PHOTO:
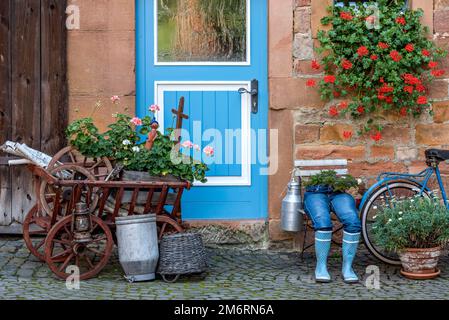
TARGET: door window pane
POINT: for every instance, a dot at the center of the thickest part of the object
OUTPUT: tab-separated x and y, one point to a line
201	31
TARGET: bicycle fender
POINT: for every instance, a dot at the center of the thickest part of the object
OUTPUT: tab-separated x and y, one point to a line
378	184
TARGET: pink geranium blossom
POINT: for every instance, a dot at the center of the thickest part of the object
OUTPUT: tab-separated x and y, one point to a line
115	99
209	151
187	144
154	108
136	121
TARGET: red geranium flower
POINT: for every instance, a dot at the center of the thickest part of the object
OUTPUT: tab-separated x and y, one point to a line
386	88
311	83
336	94
425	52
381	80
409	47
329	79
346	64
315	65
411	79
362	51
395	56
360	109
383	45
343	105
437	73
347	134
346	16
409	89
389	99
377	136
421	88
401	20
374	57
422	100
333	111
380	96
403	111
433	64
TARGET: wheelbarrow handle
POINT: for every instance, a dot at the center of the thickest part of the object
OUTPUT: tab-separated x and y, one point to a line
18	162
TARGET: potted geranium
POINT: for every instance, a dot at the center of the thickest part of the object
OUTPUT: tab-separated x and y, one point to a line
377	59
125	142
417	229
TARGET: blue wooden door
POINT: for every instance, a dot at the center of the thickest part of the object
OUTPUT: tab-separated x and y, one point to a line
206	51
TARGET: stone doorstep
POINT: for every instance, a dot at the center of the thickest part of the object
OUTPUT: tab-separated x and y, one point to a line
244	233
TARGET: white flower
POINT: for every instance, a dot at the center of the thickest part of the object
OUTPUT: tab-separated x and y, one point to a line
375	207
400	212
359	181
389	220
374	217
136	149
400	219
126	142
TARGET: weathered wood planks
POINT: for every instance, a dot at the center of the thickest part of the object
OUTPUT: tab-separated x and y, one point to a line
33	87
54	92
5	108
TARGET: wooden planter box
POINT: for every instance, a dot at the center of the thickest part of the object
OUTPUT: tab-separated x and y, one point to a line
145	176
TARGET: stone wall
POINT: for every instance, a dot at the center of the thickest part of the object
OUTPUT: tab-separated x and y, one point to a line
313	133
101	59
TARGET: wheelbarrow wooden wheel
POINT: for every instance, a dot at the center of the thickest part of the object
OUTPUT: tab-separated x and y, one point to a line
35	229
66	172
98	167
89	258
167	225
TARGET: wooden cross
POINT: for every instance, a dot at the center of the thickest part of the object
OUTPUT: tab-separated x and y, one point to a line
180	116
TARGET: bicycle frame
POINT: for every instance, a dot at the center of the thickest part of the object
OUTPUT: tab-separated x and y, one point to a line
421	179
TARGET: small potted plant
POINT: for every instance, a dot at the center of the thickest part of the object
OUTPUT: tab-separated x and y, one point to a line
416	229
330	179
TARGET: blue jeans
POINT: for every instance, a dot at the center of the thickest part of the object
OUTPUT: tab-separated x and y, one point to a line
319	203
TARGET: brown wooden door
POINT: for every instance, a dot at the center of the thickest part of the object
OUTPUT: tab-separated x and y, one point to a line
33	94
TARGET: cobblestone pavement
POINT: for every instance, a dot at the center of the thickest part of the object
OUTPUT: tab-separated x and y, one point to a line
233	274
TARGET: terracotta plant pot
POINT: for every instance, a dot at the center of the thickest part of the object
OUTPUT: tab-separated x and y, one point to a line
420	263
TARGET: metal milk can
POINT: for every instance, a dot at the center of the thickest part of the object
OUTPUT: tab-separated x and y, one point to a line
291	217
138	248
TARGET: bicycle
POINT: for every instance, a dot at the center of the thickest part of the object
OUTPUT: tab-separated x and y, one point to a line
391	185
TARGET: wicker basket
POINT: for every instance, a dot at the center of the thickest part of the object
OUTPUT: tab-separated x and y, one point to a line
181	254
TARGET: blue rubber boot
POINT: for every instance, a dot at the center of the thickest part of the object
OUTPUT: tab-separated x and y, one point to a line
322	248
350	244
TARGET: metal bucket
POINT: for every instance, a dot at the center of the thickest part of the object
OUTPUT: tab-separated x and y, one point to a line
138	246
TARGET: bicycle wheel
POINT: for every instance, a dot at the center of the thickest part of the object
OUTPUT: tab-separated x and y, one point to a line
379	198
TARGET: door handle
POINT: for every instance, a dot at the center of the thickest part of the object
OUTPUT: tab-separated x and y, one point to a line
254	95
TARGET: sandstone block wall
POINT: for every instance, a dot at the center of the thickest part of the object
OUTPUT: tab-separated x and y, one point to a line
307	130
101	59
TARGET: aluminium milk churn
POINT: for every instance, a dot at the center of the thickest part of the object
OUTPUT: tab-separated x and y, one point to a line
291	216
